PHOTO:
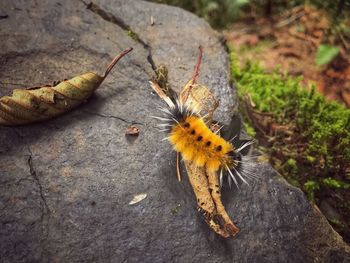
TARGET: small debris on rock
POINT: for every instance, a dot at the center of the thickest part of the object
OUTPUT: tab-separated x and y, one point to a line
138	198
176	209
132	130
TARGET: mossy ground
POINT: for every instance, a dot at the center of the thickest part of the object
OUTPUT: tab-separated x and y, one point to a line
306	137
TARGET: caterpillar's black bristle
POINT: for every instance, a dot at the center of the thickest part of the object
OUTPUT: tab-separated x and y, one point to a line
175	115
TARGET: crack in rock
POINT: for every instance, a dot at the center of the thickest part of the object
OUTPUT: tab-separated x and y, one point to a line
108	16
45	211
36	179
112	117
44	208
3	16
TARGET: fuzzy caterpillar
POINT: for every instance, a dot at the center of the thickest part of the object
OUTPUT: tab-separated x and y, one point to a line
191	137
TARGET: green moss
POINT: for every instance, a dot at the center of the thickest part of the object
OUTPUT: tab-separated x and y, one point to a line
310	159
132	34
291	165
324	126
307	137
250	129
310	187
335	184
337	223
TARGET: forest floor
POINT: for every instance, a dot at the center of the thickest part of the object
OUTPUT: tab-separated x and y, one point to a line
290	41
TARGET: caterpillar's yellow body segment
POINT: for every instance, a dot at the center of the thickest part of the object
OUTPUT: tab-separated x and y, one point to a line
197	143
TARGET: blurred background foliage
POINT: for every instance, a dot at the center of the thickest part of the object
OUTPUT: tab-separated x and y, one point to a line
220	13
290	62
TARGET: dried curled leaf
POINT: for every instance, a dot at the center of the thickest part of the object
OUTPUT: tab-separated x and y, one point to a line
200	99
205	183
206	188
41	103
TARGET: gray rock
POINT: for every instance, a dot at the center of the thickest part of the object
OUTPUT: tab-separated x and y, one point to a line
66	184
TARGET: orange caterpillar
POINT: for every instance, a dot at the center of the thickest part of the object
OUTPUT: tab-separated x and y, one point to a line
191	137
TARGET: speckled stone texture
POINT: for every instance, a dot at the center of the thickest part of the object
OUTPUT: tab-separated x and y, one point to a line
65	184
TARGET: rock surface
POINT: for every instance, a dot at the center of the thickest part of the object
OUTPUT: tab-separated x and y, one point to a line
66	184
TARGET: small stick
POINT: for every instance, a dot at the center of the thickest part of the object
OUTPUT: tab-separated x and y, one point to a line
115	60
161	93
178	167
199	61
195	74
